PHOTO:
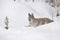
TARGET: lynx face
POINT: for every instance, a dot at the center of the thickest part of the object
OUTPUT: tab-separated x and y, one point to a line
30	17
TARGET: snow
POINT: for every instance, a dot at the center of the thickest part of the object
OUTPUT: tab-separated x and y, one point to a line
18	12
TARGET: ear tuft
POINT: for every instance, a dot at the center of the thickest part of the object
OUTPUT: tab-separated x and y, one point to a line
29	14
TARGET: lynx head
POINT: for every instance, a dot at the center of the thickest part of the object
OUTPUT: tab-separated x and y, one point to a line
30	16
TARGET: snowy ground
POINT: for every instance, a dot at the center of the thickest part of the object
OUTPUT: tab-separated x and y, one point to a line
18	12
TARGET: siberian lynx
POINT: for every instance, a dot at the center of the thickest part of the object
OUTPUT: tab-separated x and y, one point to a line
37	21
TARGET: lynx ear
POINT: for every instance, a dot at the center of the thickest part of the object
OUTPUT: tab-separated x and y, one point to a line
29	14
32	15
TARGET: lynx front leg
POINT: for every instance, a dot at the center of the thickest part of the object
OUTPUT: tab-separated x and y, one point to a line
28	26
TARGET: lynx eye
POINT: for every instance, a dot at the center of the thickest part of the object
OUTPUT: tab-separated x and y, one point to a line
29	19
